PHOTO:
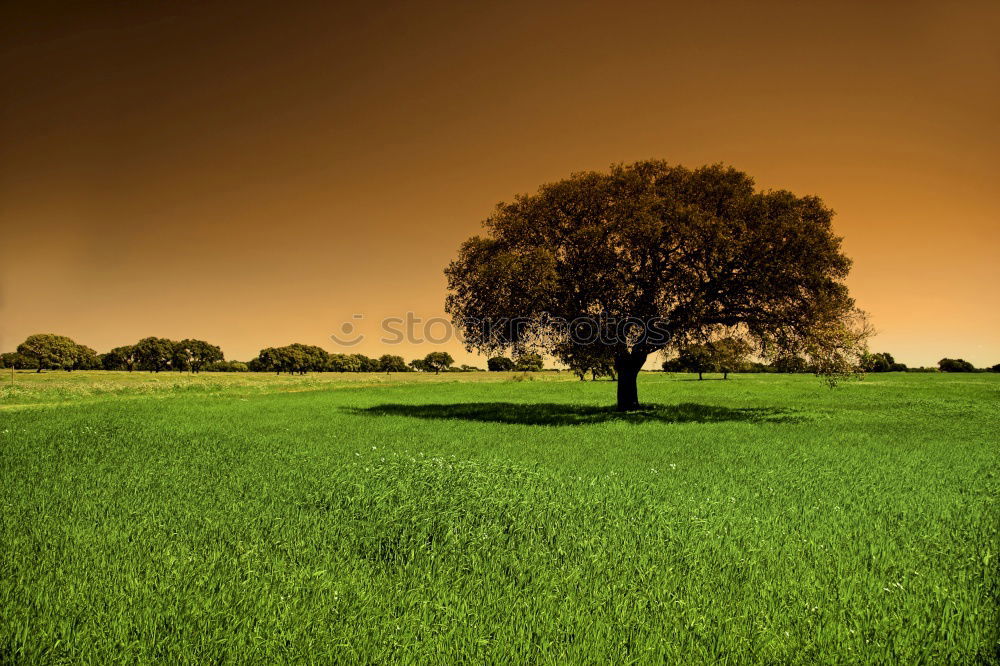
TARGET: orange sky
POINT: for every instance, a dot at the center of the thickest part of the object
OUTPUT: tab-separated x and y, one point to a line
255	175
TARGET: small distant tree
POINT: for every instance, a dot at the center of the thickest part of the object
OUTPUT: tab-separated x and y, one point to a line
155	354
120	358
881	362
298	358
193	355
288	359
48	350
529	362
955	365
500	364
392	363
692	358
790	364
418	365
672	364
12	360
730	355
343	363
437	361
725	355
995	368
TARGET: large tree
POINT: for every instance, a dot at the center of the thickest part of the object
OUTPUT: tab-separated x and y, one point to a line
48	350
651	257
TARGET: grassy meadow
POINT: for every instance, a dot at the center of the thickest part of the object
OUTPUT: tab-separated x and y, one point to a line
482	517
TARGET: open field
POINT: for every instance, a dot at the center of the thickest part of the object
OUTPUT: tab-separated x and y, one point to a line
420	518
48	388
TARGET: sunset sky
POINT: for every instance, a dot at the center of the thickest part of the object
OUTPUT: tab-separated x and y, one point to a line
254	174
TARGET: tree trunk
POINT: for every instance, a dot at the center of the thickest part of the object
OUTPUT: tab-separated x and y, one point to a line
627	368
699	375
725	374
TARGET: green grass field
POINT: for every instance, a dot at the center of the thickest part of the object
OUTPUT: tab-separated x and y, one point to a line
472	518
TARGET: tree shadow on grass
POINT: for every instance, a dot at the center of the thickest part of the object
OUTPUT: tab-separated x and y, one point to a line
558	414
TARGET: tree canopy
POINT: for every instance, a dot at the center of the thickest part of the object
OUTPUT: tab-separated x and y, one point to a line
881	362
724	355
193	355
295	358
86	358
499	364
48	350
529	362
437	361
650	257
121	358
392	363
582	359
955	365
154	354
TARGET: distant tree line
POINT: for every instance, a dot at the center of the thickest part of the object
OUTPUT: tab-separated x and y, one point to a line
723	356
47	351
527	362
732	355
